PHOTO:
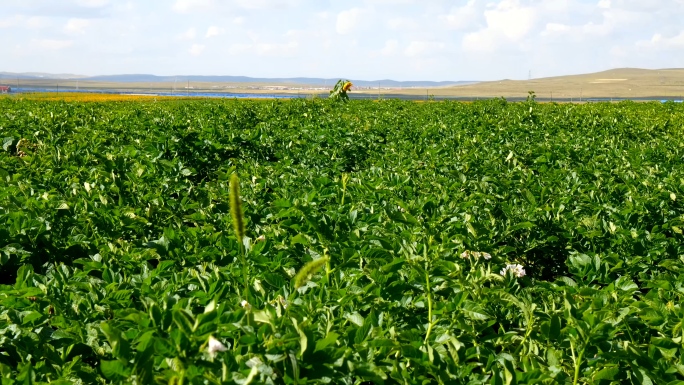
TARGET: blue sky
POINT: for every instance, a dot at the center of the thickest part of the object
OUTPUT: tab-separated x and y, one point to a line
358	39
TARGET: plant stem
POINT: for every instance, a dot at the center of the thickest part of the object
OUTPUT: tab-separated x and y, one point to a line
530	323
577	362
245	275
429	297
327	272
345	177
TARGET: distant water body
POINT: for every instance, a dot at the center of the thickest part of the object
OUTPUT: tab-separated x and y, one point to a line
226	95
180	94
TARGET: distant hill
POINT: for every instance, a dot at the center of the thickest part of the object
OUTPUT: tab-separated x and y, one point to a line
627	83
613	84
146	78
37	75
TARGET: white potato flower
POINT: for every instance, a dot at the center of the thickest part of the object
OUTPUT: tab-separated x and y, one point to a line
476	255
290	271
214	346
254	361
517	270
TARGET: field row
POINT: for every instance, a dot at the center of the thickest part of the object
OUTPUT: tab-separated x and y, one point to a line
119	256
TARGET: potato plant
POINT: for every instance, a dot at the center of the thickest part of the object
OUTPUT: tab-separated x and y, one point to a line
313	242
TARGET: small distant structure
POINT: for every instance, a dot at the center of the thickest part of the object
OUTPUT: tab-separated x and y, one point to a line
5	89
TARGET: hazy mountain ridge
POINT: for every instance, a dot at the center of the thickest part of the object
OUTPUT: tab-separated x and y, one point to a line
38	75
147	78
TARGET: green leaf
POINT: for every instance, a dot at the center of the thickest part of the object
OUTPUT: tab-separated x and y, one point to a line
520	226
156	315
24	277
303	339
299	239
275	280
404	217
26	375
282	203
31	317
362	332
567	281
606	374
184	321
120	346
211	306
555	328
509	373
626	284
645	379
474	311
355	318
263	316
329	339
7	142
114	370
393	266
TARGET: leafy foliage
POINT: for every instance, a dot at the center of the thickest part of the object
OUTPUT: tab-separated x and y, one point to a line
339	92
119	262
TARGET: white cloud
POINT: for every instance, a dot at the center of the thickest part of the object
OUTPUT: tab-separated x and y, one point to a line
348	21
37	22
286	49
52	44
266	4
189	34
660	42
583	32
556	27
92	3
391	47
217	6
265	49
239	48
77	26
214	31
483	41
402	23
463	18
423	48
188	6
603	4
196	49
551	37
511	19
10	22
508	22
392	2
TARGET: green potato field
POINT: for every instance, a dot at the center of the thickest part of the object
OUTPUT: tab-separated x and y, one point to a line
370	242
